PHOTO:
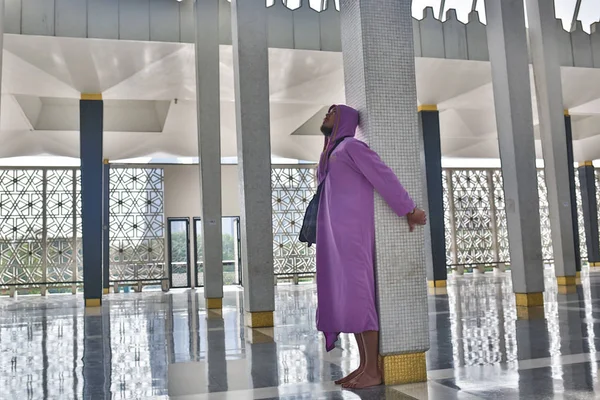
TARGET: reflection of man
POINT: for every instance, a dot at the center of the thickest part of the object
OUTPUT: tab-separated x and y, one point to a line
346	239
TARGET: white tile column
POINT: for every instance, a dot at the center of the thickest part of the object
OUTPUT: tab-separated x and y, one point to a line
251	74
507	42
546	66
379	68
206	14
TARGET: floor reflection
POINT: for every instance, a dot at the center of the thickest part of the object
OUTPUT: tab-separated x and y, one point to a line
156	345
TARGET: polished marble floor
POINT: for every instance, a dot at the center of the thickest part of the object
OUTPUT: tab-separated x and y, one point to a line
153	345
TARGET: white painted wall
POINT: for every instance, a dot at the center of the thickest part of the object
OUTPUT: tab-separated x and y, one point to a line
182	196
182	191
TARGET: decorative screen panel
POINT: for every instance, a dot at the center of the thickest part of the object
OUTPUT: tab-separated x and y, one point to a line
597	174
21	226
137	231
293	188
500	213
547	251
61	241
447	221
580	221
472	215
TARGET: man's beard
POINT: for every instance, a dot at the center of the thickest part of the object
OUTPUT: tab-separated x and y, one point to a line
327	131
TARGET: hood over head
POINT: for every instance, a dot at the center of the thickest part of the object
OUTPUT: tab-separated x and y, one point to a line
346	122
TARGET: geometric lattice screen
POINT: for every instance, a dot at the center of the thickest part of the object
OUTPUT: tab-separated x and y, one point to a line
137	230
292	190
476	228
38	227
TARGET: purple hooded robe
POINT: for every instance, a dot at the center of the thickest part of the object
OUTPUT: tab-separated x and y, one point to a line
346	229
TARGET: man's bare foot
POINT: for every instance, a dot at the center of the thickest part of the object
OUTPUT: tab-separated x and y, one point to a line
348	378
363	381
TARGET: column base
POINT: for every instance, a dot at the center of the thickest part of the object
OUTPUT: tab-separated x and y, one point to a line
106	290
530	313
437	284
93	302
530	305
214	303
260	335
567	289
566	280
530	299
262	319
595	265
403	368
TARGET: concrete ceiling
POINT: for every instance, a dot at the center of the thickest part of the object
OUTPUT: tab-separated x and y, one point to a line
149	92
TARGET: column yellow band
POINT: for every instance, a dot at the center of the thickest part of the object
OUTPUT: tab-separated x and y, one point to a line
403	368
91	96
427	107
586	164
434	284
214	303
263	319
566	280
529	299
93	302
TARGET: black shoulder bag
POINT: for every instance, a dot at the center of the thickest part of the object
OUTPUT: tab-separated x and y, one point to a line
308	233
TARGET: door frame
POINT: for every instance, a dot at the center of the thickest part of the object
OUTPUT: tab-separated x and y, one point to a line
169	244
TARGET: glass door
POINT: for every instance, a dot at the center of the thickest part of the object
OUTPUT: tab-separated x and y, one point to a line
179	256
231	251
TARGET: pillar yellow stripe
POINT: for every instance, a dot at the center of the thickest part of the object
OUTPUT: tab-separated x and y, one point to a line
403	368
586	164
434	284
91	96
93	302
566	280
427	107
214	303
567	113
529	299
262	319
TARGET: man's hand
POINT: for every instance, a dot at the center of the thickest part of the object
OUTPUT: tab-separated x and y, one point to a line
417	217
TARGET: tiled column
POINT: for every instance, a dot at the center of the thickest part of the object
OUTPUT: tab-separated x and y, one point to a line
91	111
587	182
546	67
106	227
572	188
209	146
251	74
429	117
379	69
507	43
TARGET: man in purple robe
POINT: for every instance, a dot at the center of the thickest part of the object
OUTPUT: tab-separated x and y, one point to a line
346	239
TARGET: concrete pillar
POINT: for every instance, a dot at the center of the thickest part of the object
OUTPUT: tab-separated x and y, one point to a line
587	183
91	110
507	41
429	117
379	74
209	146
546	67
106	227
572	189
251	74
